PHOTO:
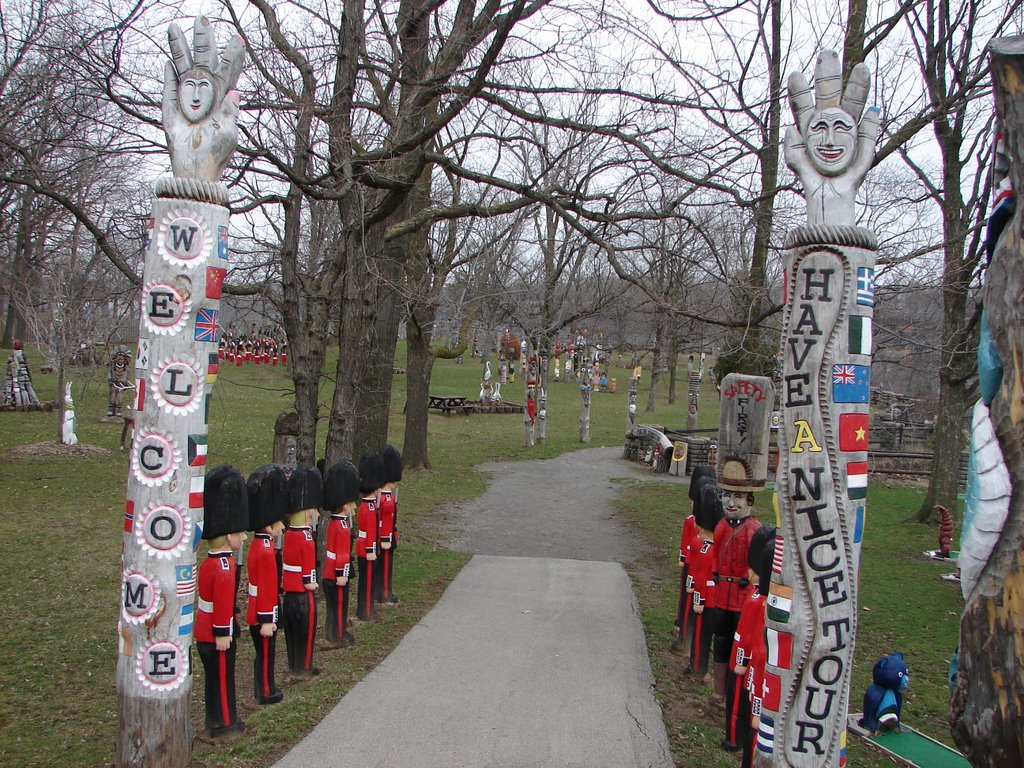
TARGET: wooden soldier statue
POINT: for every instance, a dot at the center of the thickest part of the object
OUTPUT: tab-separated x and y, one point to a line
388	510
298	563
227	518
743	433
684	614
268	515
371	478
341	492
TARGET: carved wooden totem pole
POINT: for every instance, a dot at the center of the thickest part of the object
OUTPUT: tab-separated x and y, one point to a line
744	426
694	373
185	264
822	476
987	707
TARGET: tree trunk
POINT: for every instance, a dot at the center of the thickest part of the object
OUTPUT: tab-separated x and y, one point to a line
657	364
987	707
15	326
673	358
419	366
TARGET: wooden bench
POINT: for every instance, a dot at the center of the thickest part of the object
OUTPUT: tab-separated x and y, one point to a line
448	404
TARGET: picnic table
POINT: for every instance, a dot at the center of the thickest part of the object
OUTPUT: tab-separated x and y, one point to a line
448	404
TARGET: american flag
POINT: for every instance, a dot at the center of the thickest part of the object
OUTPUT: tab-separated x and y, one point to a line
206	325
777	557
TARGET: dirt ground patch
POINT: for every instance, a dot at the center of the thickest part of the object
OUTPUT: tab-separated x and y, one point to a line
53	448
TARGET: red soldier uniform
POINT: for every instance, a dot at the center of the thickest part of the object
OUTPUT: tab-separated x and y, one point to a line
216	589
749	636
749	651
730	559
298	563
387	509
341	491
268	511
702	585
227	517
371	478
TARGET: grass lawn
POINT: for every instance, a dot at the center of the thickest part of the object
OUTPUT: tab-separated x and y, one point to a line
61	586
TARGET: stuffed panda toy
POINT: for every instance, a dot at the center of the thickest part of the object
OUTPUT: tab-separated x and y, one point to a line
883	699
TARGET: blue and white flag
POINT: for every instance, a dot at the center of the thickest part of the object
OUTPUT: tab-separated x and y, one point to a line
866	286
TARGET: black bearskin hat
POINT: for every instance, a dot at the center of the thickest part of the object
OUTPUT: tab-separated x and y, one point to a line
341	485
700	472
371	472
708	509
305	489
392	464
268	496
226	502
761	554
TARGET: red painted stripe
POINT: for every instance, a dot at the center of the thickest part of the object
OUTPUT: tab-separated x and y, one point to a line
368	608
266	666
310	630
222	674
696	641
735	711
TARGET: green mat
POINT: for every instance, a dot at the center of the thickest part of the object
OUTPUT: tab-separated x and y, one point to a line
912	747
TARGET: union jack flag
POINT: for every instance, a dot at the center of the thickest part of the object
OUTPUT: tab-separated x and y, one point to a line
206	325
841	374
851	383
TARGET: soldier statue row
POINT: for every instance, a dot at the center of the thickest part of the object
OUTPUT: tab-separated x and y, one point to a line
280	505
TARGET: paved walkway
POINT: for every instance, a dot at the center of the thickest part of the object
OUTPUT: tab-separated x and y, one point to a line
525	662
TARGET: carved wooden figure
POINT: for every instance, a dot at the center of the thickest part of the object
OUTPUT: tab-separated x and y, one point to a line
822	475
298	566
226	520
987	708
185	261
387	508
267	487
371	479
694	374
118	381
743	432
341	493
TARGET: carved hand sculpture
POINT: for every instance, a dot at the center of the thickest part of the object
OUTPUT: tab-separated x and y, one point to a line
200	109
831	147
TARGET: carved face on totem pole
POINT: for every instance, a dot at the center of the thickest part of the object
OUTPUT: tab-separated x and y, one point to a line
196	94
831	140
832	143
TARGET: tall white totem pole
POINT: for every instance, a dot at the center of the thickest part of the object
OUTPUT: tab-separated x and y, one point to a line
823	439
175	365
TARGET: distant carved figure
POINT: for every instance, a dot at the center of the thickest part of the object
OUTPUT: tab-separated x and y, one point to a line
945	530
832	145
18	391
200	107
67	431
117	378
